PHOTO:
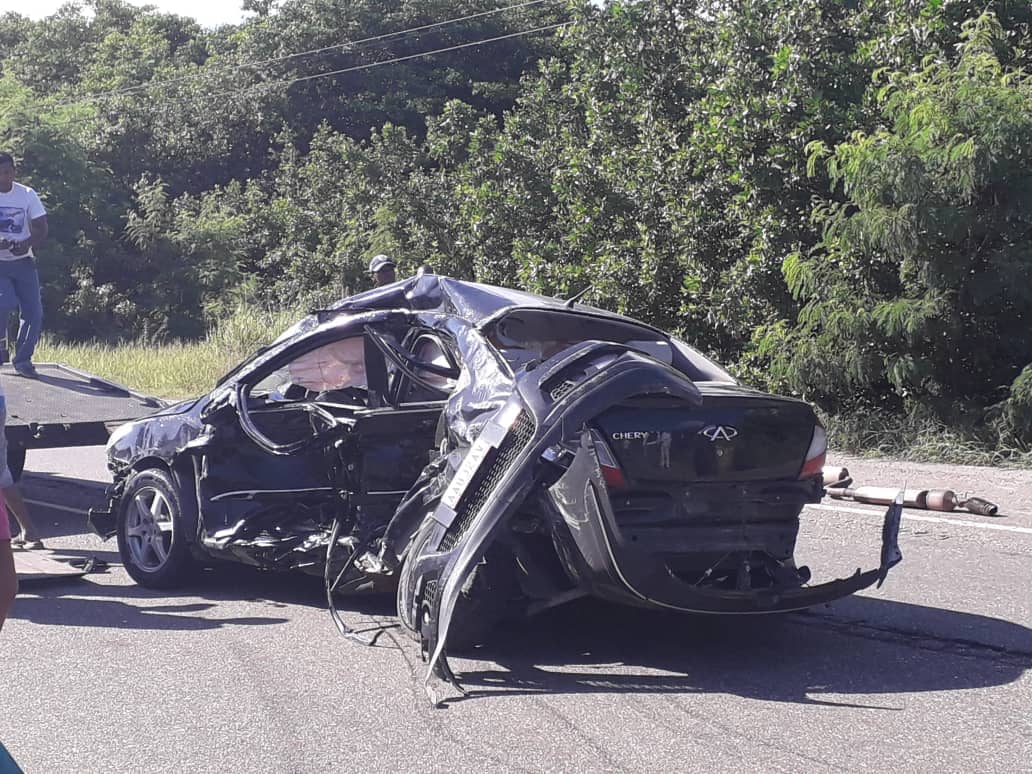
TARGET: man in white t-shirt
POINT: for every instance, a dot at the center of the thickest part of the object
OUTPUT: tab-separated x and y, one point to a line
23	226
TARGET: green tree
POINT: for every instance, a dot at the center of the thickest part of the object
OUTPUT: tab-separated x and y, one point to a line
83	204
920	291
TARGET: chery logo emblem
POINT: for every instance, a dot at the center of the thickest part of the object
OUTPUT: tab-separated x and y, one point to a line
719	432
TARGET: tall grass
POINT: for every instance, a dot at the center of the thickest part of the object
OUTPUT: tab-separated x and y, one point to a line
175	369
920	439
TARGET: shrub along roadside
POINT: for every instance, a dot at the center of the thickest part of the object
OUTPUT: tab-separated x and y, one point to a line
918	296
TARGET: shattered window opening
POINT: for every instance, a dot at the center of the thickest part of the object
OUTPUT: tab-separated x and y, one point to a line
428	349
338	365
527	335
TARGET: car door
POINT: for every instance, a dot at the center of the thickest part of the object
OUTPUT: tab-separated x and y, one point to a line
313	422
270	454
397	441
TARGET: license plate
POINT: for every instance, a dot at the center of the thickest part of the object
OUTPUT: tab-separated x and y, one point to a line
477	453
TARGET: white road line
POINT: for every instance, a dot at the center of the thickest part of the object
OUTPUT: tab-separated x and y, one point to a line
933	519
66	508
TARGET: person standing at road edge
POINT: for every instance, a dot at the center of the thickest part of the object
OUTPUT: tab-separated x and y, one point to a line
23	226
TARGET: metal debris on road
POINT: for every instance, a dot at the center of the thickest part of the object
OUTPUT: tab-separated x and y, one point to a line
838	484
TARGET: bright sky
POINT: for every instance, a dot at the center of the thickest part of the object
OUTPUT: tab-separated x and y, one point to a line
210	13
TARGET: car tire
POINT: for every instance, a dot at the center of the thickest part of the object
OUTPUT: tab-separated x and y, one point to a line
151	535
485	599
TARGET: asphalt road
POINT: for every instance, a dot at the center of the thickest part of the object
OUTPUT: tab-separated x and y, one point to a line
245	672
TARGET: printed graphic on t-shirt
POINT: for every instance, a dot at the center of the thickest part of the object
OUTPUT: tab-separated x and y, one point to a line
12	220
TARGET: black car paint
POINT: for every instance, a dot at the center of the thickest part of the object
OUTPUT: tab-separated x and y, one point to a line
275	509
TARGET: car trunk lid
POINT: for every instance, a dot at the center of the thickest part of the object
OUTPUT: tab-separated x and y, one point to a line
736	435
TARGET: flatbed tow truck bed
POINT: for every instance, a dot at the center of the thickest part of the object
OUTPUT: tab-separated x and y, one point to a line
65	407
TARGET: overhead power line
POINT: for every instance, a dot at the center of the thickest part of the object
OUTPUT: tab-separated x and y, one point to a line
207	72
395	60
287	82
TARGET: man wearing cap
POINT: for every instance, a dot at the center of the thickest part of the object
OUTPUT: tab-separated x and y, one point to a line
381	270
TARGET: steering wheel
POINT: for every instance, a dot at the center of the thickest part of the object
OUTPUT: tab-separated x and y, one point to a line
323	424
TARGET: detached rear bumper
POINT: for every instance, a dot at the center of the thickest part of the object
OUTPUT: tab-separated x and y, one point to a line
681	596
635	570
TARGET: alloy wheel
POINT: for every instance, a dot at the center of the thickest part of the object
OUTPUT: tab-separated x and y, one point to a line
149	529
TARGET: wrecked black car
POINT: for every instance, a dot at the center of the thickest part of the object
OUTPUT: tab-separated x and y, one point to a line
482	451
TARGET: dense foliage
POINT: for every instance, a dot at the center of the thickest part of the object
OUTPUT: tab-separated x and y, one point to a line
834	195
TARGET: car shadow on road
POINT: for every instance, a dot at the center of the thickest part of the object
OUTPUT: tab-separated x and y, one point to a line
66	487
870	647
76	609
80	602
856	647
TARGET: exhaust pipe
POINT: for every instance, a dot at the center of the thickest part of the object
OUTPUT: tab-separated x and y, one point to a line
934	499
942	500
979	506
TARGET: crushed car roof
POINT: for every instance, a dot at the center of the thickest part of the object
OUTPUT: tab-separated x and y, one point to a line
472	301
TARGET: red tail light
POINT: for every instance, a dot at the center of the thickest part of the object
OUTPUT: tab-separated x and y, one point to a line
817	454
614	477
611	470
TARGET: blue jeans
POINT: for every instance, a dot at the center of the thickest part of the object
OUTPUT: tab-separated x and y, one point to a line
19	289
